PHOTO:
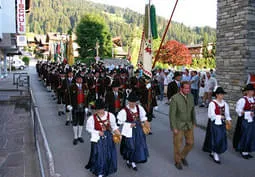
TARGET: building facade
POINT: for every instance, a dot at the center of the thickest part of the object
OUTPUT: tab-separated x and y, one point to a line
12	25
235	48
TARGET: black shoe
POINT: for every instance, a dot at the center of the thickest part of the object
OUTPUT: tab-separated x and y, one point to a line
250	156
217	161
201	106
87	166
185	162
245	156
62	112
75	141
59	113
150	133
129	165
134	168
81	140
178	166
67	123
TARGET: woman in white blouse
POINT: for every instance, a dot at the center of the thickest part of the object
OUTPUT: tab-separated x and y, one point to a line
103	156
216	137
133	146
244	136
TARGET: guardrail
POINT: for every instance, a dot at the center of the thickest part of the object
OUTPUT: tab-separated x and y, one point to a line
21	79
46	165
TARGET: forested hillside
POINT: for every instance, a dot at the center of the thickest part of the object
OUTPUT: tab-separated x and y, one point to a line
61	15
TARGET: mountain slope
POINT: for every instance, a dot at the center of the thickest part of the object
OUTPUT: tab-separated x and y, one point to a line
55	15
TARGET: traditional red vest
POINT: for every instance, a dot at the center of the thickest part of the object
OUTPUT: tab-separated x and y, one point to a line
100	124
80	96
123	83
248	106
219	110
97	83
117	102
131	117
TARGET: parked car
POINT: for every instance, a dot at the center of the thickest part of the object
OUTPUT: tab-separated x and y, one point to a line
18	64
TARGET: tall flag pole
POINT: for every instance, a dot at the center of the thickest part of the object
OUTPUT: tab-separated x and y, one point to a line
163	38
145	54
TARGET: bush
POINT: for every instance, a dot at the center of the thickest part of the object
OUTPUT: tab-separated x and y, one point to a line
26	60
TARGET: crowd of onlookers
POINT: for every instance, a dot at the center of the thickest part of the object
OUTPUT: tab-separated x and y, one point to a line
202	84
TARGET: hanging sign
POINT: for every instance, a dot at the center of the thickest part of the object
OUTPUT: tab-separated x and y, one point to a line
21	17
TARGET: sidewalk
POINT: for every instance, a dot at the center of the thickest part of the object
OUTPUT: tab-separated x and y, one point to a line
17	151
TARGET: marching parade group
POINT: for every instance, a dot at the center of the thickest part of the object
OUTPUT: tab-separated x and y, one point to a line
118	106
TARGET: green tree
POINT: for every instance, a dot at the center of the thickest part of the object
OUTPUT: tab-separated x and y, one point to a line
90	29
205	52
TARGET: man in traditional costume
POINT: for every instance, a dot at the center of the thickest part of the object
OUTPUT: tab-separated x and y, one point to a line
60	93
67	83
114	99
79	105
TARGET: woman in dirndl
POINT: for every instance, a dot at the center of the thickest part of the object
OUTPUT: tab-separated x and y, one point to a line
244	136
216	137
133	147
103	155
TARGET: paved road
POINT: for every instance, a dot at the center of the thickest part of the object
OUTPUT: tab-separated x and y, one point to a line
70	160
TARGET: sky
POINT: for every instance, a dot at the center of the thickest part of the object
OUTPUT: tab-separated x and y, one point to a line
189	12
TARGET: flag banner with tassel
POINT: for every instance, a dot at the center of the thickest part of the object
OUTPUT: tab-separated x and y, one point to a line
145	54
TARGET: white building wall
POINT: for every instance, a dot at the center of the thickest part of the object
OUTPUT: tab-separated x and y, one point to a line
7	16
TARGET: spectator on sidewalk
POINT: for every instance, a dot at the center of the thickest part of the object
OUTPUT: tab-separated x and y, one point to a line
194	86
161	78
201	91
186	76
182	121
174	86
210	85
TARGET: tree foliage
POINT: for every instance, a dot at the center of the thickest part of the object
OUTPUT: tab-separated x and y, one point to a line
90	30
175	53
205	51
59	16
203	63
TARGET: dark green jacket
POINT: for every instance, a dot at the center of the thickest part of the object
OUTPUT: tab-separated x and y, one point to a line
182	114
